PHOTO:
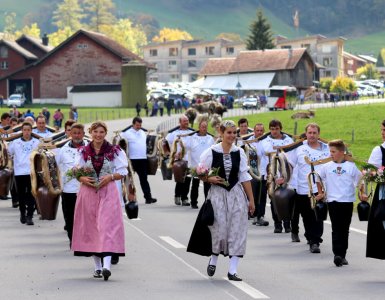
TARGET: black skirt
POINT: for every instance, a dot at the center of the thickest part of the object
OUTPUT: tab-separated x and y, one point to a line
375	243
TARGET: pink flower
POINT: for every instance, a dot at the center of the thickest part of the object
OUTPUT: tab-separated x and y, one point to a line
380	171
364	172
202	169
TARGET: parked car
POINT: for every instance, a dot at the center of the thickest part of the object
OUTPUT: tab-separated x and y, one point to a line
17	100
251	103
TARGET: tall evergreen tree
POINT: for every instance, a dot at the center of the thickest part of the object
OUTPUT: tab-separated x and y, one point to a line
380	58
260	37
100	13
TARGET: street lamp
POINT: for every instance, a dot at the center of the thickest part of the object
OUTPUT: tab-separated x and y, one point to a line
239	86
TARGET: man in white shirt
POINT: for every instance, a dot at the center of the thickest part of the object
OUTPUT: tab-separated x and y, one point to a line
314	150
195	145
259	186
66	158
137	152
181	189
276	139
41	128
20	150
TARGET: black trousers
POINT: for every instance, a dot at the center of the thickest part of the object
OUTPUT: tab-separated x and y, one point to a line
15	199
340	216
194	193
68	202
182	189
260	194
140	167
26	200
313	228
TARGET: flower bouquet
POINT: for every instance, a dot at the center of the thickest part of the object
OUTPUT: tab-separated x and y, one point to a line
77	172
371	173
203	172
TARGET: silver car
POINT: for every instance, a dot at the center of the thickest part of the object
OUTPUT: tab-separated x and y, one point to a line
17	100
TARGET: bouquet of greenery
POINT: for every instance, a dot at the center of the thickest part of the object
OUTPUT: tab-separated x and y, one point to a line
77	172
203	172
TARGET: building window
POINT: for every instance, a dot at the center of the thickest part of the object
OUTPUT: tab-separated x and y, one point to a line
173	52
326	49
153	78
209	50
328	74
193	77
172	64
3	52
4	65
327	61
191	51
153	52
82	46
307	46
192	63
174	77
229	50
286	47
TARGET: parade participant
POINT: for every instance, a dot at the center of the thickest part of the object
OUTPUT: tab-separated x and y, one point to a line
341	178
243	127
20	150
67	127
5	122
98	221
41	129
66	158
231	202
314	150
137	153
259	186
269	145
196	144
181	189
375	245
30	120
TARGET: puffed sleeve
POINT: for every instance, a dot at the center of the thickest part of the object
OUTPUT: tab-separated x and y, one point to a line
243	174
120	163
206	158
376	157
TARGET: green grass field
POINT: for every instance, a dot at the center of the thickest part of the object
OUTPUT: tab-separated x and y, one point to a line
358	126
371	43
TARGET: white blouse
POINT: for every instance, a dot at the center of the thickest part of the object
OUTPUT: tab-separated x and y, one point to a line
376	156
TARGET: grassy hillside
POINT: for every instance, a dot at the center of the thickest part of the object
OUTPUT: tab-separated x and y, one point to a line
368	44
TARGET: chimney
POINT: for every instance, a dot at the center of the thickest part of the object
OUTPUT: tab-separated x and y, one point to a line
45	40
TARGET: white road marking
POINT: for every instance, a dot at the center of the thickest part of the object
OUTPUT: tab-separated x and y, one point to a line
351	228
172	242
181	259
249	290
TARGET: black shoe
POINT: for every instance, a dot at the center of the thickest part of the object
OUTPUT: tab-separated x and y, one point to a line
260	222
295	238
177	201
344	261
106	273
151	200
314	248
338	261
233	277
15	204
4	197
114	260
98	274
278	228
23	219
287	227
211	270
29	221
185	203
194	206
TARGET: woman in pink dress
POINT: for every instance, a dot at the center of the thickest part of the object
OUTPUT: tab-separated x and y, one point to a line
98	222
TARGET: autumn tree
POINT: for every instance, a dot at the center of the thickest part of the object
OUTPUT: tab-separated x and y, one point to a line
326	83
343	85
100	12
9	25
368	71
60	36
32	30
68	14
172	34
125	33
235	37
260	37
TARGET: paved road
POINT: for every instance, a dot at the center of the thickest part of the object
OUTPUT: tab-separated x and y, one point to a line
37	263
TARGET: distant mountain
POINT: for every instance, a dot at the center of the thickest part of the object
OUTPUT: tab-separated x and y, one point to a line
357	20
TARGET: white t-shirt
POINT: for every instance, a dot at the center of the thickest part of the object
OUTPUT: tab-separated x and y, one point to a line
376	156
43	134
196	145
66	158
296	158
21	151
171	136
340	180
136	140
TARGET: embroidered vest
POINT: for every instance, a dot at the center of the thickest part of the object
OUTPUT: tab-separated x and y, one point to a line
218	162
